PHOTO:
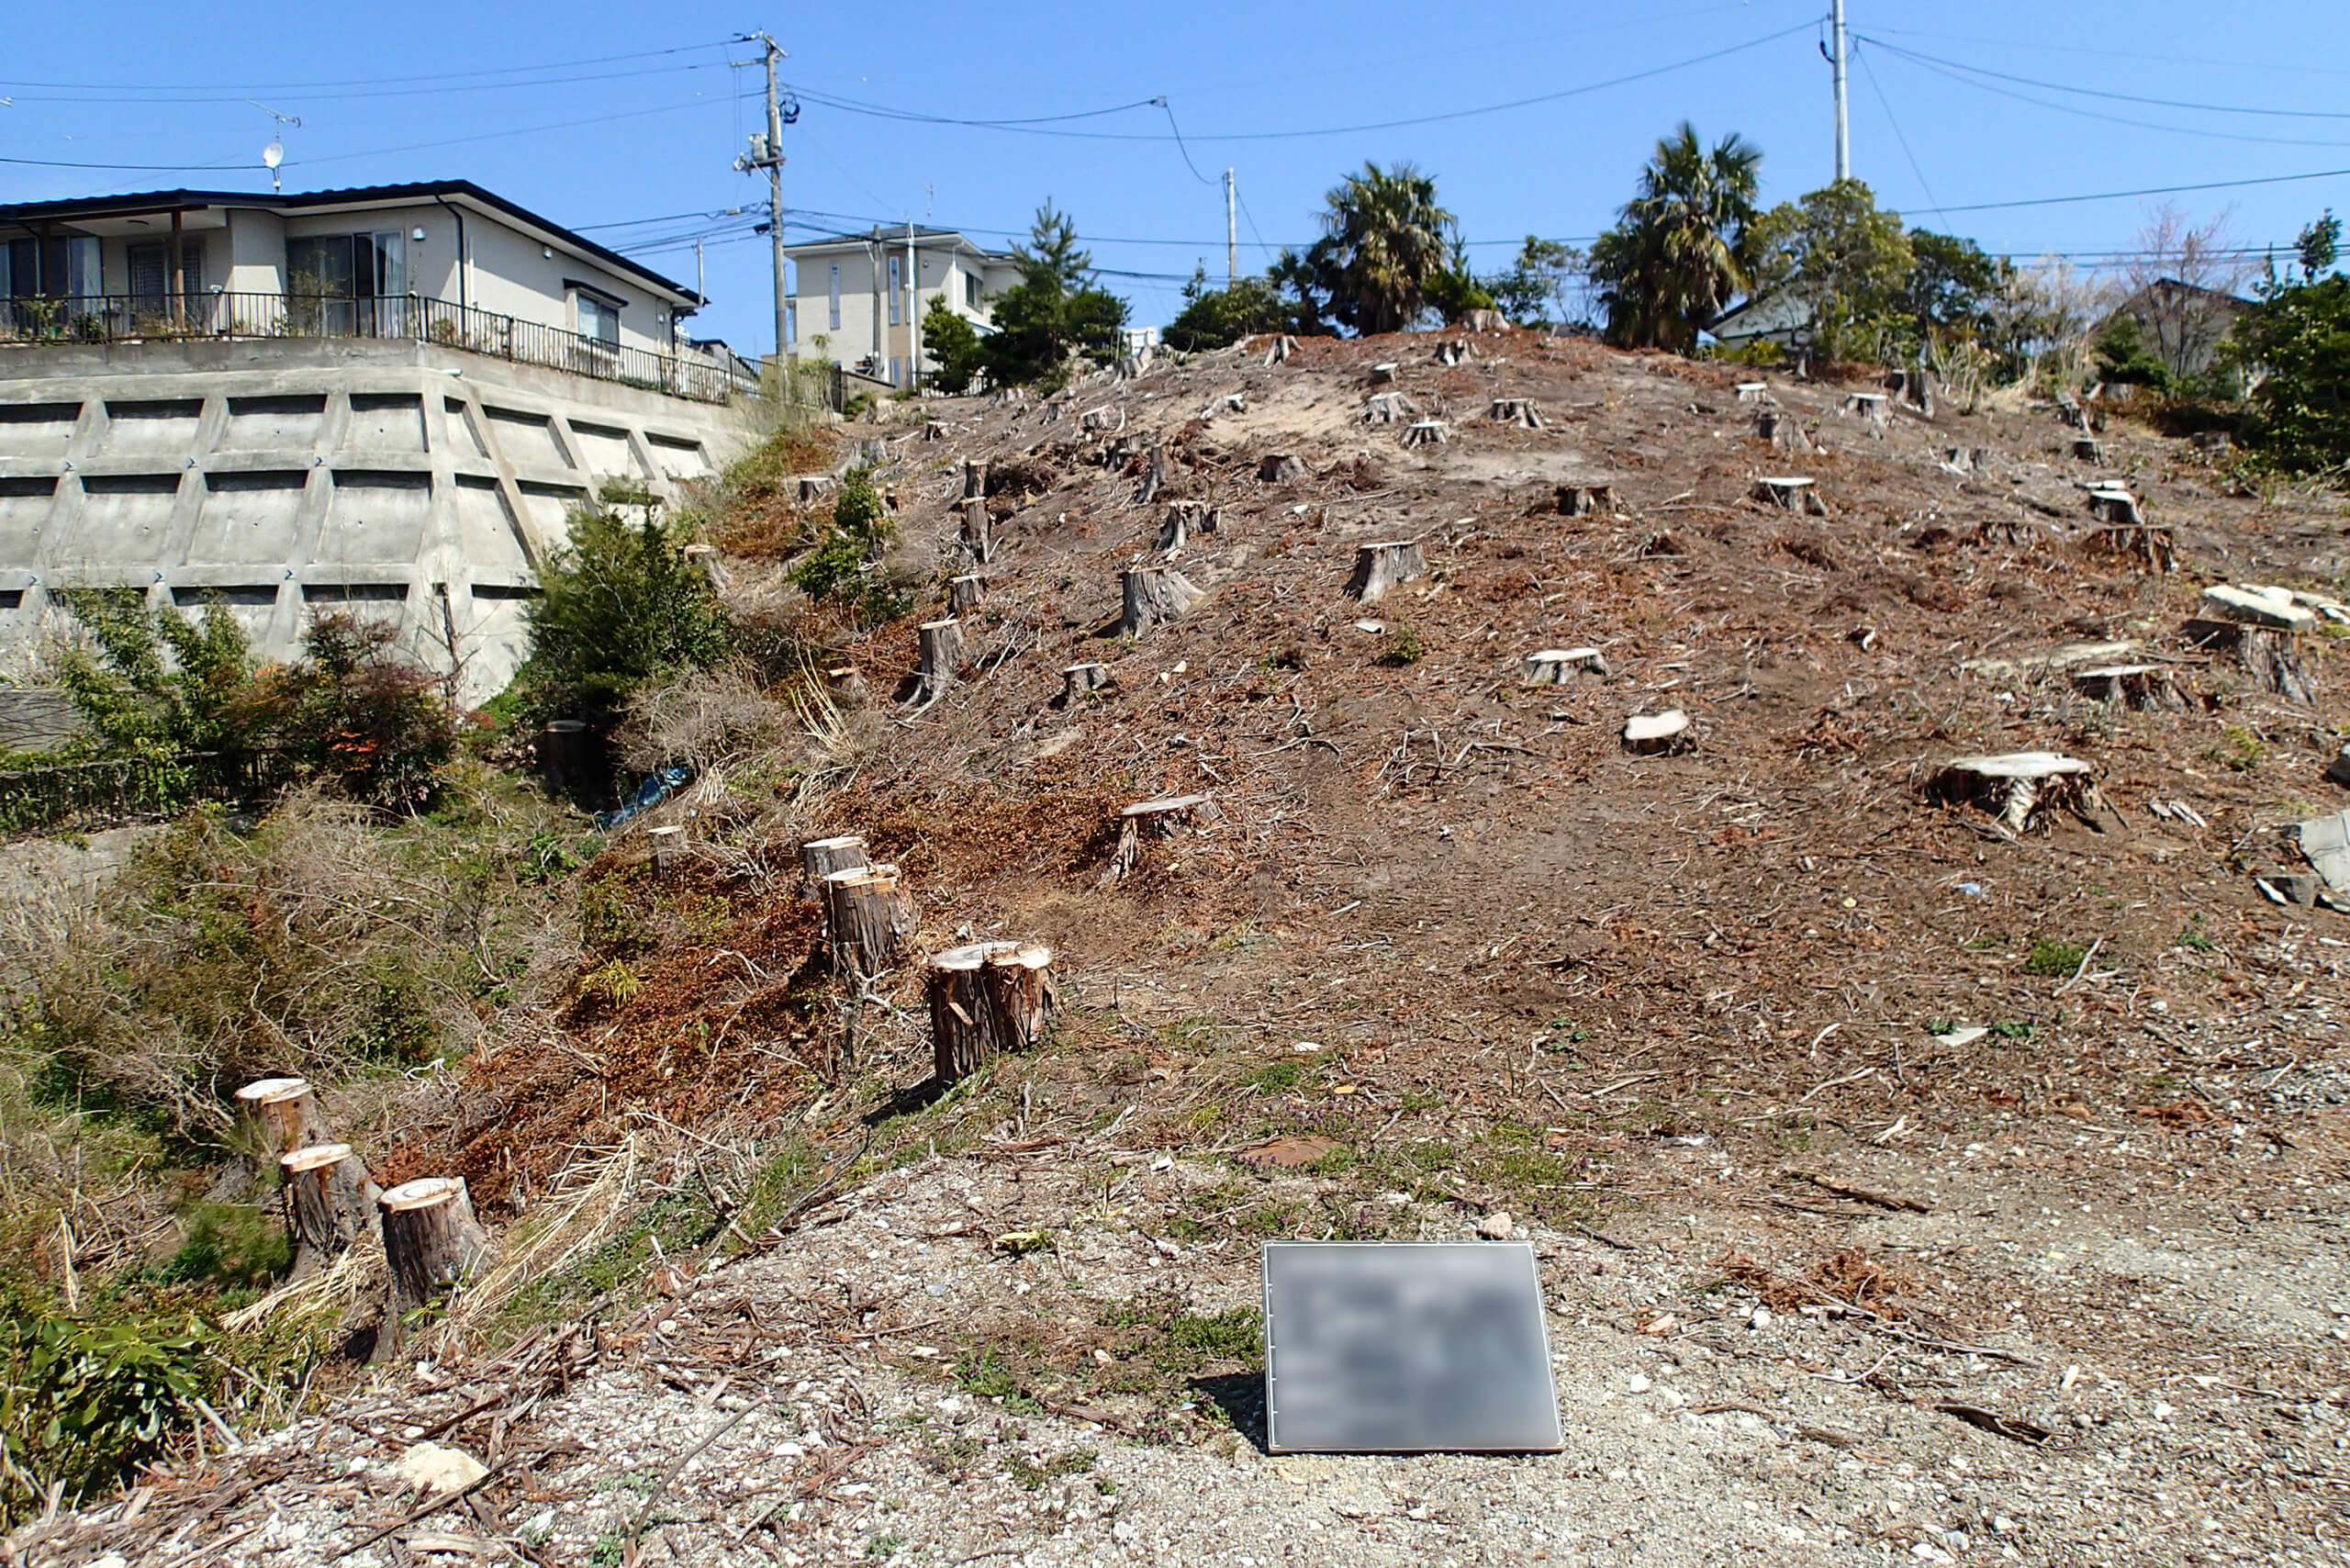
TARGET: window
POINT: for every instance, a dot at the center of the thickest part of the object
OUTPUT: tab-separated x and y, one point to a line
151	275
600	320
791	324
58	268
894	364
836	297
345	283
897	282
971	290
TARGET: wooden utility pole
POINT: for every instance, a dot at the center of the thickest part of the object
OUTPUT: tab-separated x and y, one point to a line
913	297
766	152
1836	58
1231	231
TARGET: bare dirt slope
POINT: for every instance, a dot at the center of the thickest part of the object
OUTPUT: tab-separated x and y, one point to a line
1904	1186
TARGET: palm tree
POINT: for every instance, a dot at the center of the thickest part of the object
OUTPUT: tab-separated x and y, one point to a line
1677	252
1382	242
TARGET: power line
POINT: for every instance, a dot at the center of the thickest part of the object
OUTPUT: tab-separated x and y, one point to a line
1887	104
2040	45
1179	143
2119	98
2153	191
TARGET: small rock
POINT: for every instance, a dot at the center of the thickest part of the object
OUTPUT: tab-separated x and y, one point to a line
1664	1325
1761	1320
433	1468
1638	1384
1495	1227
934	1288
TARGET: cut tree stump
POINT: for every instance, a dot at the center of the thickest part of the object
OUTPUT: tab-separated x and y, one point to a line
965	593
975	478
1965	459
1754	391
2269	657
2136	687
1427	432
669	847
1103	419
1453	351
867	916
330	1202
1563	666
2144	545
1783	430
1155	822
932	430
1793	493
2089	449
942	655
2073	415
431	1236
1233	403
1154	475
1485	320
1520	412
2020	787
1389	409
813	487
978	533
2115	506
819	858
987	1000
1870	406
1078	680
1586	500
1656	735
1184	522
1383	372
844	684
1282	347
1915	388
1379	567
1154	596
1281	469
284	1114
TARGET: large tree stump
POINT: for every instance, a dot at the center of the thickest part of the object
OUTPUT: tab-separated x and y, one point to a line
2145	546
1383	372
1155	822
1102	419
844	684
1281	469
1484	319
667	845
1782	429
1563	666
1154	596
1427	432
1656	735
283	1116
1379	567
965	593
813	487
2269	657
1184	520
1081	680
1754	391
1454	351
1915	388
431	1236
2135	686
986	999
867	916
1870	407
1282	349
1154	475
1520	412
330	1202
2113	504
2018	787
1586	500
1793	493
2089	449
942	655
819	858
977	535
1389	409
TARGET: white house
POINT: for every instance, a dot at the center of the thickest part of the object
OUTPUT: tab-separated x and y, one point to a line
851	305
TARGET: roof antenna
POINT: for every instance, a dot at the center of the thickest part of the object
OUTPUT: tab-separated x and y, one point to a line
275	153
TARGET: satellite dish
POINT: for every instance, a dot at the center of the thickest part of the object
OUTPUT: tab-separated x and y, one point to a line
273	154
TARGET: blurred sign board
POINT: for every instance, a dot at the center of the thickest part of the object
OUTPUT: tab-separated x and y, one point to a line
1397	1347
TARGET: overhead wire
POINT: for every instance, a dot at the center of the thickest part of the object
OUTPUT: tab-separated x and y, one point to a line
1890	118
2115	98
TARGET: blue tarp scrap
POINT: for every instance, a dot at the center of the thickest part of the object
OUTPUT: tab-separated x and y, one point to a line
659	786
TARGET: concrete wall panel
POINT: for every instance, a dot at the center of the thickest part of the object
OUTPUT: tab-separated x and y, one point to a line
151	427
250	517
286	423
124	518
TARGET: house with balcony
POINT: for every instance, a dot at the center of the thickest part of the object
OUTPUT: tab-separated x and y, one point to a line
384	400
855	298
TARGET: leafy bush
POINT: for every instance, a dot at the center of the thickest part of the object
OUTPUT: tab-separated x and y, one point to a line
845	567
2300	335
130	697
354	714
952	346
1218	318
86	1403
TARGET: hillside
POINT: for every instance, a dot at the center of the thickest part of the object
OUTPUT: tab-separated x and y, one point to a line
1904	1185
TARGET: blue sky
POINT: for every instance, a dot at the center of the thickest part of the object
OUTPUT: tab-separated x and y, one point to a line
1952	108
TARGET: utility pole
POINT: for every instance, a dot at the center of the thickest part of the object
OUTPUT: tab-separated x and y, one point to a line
1231	232
1843	121
766	152
913	297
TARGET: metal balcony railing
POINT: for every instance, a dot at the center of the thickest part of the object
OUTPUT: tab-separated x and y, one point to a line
126	318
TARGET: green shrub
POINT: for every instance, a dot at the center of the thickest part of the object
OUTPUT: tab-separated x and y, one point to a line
86	1403
845	567
2055	960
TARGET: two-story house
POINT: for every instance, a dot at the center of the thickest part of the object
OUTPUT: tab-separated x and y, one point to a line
857	299
384	400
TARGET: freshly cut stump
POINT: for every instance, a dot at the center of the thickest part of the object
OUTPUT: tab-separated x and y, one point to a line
1383	372
1563	666
1155	596
1283	347
1586	500
2116	508
986	999
1183	521
431	1236
1103	420
813	487
819	858
1520	412
2269	658
965	593
1154	475
2018	787
1783	430
942	655
284	1113
1453	351
330	1202
846	686
1379	567
977	532
1281	469
2151	548
1870	406
1656	735
2136	687
1427	432
669	847
1149	822
1077	680
1915	388
867	916
932	430
1792	492
1754	391
975	478
1389	409
2089	449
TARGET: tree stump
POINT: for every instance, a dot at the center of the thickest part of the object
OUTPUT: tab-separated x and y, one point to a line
1154	475
965	593
2145	546
1155	822
2135	686
1234	403
942	655
813	487
1427	432
2115	506
2018	787
1563	666
975	478
1519	411
330	1202
1383	372
1379	567
1281	469
1965	460
1586	500
1283	346
1080	680
283	1116
986	999
867	916
846	686
1791	493
1915	388
1656	735
1485	319
819	858
2072	415
1754	391
977	532
1389	409
2269	658
1154	596
1870	406
1782	429
1102	419
431	1236
1184	520
932	430
1453	351
669	847
2090	450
